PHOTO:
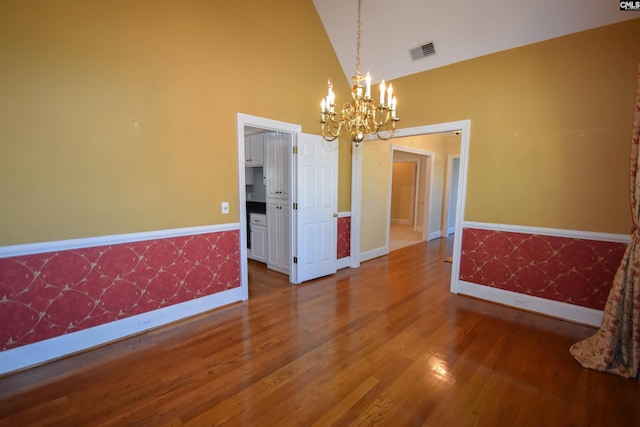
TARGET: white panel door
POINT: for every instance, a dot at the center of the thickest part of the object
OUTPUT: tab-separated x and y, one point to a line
316	166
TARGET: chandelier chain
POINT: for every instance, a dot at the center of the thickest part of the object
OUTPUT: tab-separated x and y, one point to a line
358	39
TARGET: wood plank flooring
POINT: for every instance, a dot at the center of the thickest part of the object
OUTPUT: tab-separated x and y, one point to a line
385	344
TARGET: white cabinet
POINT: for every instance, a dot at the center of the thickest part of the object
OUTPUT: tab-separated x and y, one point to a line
254	150
248	176
278	148
258	236
278	216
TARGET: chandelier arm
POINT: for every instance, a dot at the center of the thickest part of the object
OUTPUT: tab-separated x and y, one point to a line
332	119
331	136
328	125
328	139
393	131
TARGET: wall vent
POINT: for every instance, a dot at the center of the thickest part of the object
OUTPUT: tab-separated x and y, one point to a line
423	51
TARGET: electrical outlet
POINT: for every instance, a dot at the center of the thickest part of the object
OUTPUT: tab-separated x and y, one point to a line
225	207
145	323
520	302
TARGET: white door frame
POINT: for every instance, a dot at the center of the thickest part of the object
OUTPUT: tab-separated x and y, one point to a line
416	193
267	124
447	194
356	187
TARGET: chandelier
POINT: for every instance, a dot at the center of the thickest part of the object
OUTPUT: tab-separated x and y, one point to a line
366	115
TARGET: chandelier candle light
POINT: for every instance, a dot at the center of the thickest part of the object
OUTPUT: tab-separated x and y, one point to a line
363	116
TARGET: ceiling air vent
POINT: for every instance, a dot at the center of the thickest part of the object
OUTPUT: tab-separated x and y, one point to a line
423	51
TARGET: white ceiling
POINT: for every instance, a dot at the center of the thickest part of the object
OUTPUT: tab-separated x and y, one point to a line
459	29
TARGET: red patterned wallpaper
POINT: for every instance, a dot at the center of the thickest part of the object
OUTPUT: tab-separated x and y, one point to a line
344	237
569	270
46	295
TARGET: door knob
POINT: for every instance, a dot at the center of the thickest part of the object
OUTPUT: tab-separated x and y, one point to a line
335	215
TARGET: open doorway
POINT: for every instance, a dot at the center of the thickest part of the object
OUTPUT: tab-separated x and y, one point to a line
431	193
264	179
402	227
298	231
365	212
410	189
267	191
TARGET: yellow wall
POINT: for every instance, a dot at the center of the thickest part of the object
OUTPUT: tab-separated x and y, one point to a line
120	116
376	174
550	133
344	172
550	128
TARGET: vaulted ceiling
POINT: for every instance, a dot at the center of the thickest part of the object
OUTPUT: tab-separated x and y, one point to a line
458	29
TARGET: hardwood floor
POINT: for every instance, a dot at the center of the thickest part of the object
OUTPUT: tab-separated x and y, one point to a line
385	344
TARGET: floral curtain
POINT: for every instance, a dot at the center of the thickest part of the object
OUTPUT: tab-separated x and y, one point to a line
615	347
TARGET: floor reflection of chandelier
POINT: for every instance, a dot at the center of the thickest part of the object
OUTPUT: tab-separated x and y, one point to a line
363	116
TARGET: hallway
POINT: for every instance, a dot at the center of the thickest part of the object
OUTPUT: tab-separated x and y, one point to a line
402	235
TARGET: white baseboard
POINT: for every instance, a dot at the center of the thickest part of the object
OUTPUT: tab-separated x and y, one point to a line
64	345
374	253
434	235
447	232
401	221
343	263
574	313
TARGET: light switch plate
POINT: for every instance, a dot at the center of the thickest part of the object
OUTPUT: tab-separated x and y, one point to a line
225	207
